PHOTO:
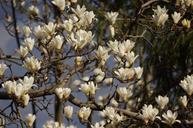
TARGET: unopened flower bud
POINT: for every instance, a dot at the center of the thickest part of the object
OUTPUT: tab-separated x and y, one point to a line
30	119
68	111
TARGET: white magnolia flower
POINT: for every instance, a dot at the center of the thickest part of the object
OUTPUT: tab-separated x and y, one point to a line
162	101
29	43
88	17
121	74
149	113
125	47
125	73
10	86
111	114
138	72
67	92
111	17
176	17
63	93
131	57
52	124
80	39
183	100
79	11
99	75
108	81
32	64
39	32
186	23
98	71
121	48
27	82
50	28
56	42
60	4
85	78
88	89
30	119
33	11
187	84
124	93
114	103
26	31
99	78
84	113
114	46
102	54
82	17
85	89
19	91
92	87
68	111
3	67
23	51
25	98
160	16
170	118
68	25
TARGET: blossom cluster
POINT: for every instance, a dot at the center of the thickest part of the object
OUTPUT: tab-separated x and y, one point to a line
160	16
20	88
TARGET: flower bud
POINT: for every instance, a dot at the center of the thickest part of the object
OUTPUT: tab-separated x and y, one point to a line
162	101
186	23
108	81
68	111
183	100
3	67
25	98
30	119
26	31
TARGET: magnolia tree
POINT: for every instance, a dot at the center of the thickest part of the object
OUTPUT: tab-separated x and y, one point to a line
88	62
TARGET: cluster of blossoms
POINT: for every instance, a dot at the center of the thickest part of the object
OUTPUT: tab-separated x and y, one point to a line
149	114
160	17
30	63
20	89
122	53
111	115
